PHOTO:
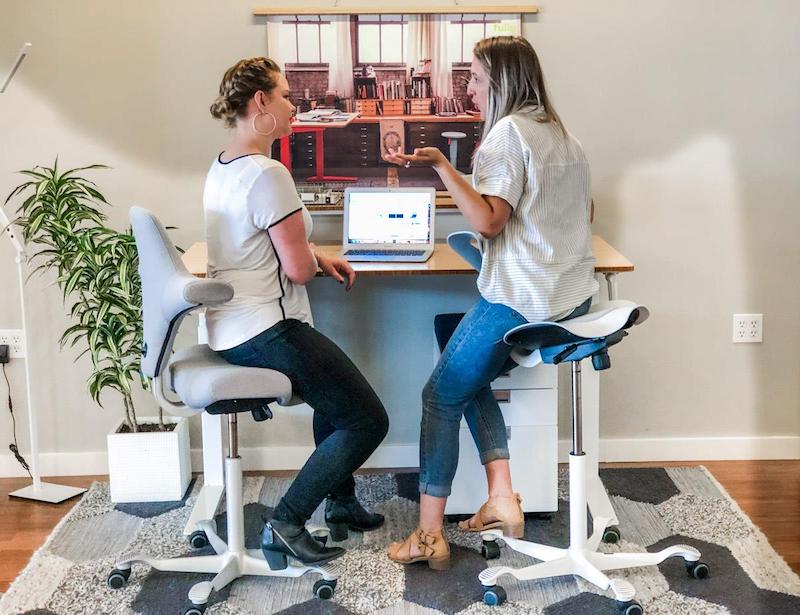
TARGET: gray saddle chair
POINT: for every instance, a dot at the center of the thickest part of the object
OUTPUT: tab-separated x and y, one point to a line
571	341
204	382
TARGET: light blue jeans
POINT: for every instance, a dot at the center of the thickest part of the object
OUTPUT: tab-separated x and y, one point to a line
460	386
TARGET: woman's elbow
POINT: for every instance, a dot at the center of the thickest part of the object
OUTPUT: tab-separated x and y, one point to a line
490	230
301	274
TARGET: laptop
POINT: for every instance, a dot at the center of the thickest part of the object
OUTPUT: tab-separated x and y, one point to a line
388	224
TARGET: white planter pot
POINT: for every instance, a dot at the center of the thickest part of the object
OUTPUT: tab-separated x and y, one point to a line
149	466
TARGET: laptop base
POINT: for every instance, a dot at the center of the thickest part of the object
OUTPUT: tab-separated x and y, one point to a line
385	256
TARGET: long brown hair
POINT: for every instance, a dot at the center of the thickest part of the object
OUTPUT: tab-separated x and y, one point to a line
516	81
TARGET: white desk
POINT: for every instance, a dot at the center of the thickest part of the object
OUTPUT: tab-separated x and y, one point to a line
609	263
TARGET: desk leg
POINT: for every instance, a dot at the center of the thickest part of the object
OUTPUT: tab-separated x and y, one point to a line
319	137
213	459
611	284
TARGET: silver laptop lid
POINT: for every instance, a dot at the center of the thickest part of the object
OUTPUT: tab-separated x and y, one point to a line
389	217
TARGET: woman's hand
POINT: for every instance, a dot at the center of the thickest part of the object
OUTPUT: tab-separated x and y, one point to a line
422	157
337	268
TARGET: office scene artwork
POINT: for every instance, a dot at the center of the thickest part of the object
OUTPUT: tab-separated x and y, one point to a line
370	85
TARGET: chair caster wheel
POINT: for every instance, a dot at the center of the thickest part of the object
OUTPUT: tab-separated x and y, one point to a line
697	570
612	535
198	539
118	578
630	608
324	589
490	549
197	609
494	596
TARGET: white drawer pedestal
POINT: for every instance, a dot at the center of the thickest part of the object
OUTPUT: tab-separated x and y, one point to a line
528	399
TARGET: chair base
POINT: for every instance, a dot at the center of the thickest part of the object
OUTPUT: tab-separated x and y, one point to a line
227	566
581	558
231	559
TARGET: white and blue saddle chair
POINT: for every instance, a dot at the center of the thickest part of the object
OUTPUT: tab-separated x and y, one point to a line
204	382
587	336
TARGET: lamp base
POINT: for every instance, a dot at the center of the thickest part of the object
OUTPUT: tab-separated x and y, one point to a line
47	492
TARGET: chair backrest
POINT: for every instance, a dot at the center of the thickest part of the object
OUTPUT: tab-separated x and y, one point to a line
467	245
169	291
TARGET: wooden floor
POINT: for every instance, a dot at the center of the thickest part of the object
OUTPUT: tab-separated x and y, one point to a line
767	491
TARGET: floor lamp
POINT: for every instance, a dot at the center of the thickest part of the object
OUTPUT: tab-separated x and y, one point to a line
38	490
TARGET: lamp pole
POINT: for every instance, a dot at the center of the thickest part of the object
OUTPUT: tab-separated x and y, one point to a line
38	490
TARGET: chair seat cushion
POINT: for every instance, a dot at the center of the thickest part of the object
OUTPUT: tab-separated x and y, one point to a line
600	322
201	377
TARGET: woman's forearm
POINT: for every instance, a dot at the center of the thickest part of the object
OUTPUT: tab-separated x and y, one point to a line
481	214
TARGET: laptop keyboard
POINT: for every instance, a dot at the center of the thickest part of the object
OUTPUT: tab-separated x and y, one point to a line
384	252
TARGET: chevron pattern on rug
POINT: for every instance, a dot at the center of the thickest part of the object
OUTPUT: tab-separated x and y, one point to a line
656	507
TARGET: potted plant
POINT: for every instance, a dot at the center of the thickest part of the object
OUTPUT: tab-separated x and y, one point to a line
97	272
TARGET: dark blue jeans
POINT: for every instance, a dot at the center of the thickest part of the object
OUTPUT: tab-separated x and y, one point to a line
349	419
460	386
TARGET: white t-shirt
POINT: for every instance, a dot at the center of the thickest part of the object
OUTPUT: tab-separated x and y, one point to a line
243	199
541	263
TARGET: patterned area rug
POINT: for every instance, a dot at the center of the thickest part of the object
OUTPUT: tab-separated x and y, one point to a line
657	507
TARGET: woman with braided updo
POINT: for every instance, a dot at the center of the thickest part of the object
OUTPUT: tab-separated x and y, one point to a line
257	231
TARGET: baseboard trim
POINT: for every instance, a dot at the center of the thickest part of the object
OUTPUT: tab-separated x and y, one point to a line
697	449
58	464
407	456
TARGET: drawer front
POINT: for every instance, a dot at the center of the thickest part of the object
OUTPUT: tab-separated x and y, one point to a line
367	107
393	107
353	146
543	376
420	107
528	406
534	471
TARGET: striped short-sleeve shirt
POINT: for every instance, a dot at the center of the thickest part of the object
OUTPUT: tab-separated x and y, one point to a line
541	263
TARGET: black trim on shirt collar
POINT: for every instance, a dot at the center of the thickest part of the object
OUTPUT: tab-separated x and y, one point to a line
219	158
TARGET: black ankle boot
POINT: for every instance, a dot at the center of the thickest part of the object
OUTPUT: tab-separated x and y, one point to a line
279	539
345	512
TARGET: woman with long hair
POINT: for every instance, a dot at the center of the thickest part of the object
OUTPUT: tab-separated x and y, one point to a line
530	201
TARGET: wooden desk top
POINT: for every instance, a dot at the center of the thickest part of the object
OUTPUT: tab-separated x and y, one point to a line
443	262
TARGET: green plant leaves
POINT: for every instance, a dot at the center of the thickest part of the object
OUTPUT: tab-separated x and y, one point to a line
97	269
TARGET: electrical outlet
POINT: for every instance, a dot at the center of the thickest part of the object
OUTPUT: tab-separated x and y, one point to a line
748	328
15	341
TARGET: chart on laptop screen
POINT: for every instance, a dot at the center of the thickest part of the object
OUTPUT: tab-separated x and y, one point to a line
387	217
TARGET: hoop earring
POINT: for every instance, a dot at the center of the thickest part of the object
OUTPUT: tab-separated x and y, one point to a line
261	132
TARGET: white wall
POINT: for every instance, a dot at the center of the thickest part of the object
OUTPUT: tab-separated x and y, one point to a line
688	112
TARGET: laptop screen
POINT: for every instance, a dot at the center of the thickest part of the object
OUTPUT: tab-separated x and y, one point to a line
393	217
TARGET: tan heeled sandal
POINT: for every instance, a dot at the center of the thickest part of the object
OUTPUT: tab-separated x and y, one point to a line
504	512
421	546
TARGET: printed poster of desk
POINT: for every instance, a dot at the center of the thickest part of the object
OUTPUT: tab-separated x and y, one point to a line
318	128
